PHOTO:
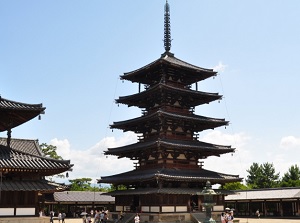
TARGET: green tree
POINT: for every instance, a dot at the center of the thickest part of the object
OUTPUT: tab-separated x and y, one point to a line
234	186
291	178
262	176
270	179
50	151
81	184
254	174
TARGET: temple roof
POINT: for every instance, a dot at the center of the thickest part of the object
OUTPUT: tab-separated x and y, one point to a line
194	97
23	145
178	190
197	122
25	156
32	185
190	72
168	174
265	194
82	196
14	113
205	149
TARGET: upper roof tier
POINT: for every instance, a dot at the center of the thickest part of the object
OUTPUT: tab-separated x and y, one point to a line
13	113
190	98
186	72
195	123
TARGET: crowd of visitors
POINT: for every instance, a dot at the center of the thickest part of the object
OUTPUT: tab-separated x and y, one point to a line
99	217
227	217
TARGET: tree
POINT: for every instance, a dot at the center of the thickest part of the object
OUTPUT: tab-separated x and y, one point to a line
81	184
254	175
262	176
291	178
50	151
234	186
269	178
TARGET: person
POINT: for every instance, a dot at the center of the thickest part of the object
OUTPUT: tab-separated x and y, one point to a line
121	215
105	218
102	216
223	217
89	219
59	217
92	213
193	205
137	218
229	218
97	217
257	213
84	219
63	216
51	216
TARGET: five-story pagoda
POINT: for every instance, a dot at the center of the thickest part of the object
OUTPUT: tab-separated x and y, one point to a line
168	175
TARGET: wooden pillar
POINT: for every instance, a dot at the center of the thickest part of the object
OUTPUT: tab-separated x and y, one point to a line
280	208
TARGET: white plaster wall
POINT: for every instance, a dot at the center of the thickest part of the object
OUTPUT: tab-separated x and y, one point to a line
218	208
25	211
145	209
181	208
167	209
6	211
119	208
154	209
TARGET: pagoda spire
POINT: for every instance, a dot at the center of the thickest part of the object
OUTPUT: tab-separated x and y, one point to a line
167	28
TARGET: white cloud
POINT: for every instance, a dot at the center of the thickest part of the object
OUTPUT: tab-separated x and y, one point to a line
235	163
220	67
63	147
91	162
289	142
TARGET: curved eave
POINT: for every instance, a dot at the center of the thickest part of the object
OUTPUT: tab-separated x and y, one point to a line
204	149
194	73
42	186
178	175
199	123
15	161
192	97
13	114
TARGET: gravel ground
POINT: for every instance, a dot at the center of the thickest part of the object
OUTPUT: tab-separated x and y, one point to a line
242	220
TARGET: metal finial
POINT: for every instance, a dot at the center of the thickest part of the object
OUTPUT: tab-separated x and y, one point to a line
167	32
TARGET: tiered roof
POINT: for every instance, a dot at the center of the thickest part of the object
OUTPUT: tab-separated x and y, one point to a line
191	98
188	73
195	122
201	148
171	175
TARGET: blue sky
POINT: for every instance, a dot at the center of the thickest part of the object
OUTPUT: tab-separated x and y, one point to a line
69	55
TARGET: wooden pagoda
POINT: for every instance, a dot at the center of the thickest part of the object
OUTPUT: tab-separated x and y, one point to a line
23	166
169	174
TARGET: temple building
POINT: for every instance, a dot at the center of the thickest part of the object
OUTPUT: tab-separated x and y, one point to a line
169	169
23	167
